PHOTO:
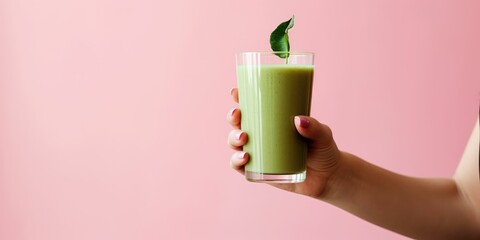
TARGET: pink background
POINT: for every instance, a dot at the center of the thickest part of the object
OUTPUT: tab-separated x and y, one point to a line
112	112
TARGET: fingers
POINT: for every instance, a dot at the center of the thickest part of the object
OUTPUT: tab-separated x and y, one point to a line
234	93
238	161
236	139
233	117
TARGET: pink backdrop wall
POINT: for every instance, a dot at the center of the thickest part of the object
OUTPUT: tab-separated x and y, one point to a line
112	113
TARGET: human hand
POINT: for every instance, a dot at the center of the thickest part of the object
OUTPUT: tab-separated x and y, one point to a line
322	160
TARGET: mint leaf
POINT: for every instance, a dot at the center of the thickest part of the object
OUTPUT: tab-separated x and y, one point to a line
279	38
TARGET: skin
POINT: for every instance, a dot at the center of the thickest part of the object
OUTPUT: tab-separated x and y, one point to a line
420	208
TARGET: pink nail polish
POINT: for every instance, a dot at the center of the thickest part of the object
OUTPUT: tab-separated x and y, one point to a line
238	135
303	122
232	111
296	120
241	155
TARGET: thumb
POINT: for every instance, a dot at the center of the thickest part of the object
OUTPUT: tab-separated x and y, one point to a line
323	153
320	135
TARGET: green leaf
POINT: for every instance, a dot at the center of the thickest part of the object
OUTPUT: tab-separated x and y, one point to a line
279	38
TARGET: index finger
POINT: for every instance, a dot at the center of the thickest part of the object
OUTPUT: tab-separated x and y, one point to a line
234	93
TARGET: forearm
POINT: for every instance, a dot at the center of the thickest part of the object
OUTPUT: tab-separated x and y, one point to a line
419	208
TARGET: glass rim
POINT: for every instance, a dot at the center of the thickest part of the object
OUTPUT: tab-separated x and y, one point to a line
275	52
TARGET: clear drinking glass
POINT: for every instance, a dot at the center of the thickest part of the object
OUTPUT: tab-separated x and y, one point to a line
272	91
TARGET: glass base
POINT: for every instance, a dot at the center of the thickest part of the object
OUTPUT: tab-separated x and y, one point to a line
275	178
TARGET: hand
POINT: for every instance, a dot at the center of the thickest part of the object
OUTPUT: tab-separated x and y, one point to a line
322	160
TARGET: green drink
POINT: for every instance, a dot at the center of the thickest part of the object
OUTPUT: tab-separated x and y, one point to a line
271	94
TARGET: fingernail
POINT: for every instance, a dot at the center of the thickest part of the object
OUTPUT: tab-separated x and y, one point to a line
232	111
303	122
231	91
240	155
238	135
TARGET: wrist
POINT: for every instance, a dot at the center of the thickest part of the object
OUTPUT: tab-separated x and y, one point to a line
338	182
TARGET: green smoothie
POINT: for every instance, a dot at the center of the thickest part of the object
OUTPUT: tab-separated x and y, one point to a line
270	97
